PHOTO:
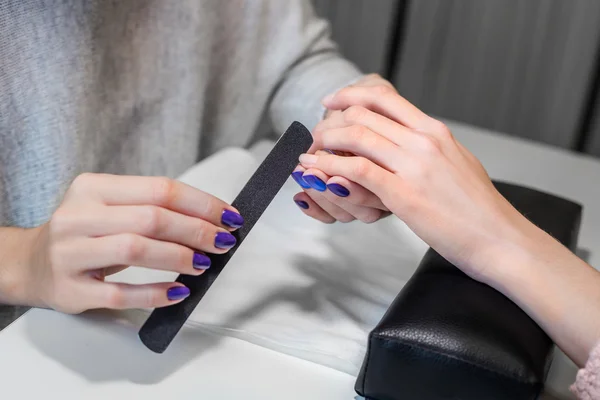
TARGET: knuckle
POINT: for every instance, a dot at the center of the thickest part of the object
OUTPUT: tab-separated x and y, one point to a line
371	216
383	90
83	179
82	183
361	168
344	93
429	145
153	298
115	298
131	248
358	133
184	258
200	235
370	140
344	219
442	130
348	94
355	114
150	219
163	191
319	129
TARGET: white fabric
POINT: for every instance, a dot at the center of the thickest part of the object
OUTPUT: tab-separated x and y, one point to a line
312	309
298	286
96	356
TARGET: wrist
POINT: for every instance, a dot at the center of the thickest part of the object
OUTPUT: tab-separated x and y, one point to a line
15	265
518	263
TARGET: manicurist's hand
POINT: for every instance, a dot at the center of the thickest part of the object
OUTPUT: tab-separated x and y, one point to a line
420	172
108	222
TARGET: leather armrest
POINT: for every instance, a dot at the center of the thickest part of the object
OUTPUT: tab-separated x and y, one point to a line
447	336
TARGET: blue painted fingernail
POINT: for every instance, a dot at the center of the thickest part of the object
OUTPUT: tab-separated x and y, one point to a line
302	204
178	293
232	219
201	261
338	190
224	240
315	182
297	175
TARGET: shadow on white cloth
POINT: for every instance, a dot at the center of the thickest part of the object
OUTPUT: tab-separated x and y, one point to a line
296	286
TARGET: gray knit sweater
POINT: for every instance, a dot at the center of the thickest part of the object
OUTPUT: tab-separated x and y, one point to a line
148	87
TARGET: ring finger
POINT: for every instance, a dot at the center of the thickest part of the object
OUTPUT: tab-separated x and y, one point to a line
131	249
156	223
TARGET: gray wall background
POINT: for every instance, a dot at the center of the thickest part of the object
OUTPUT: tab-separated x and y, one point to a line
528	68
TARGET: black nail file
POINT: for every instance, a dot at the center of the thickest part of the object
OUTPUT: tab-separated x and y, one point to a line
164	323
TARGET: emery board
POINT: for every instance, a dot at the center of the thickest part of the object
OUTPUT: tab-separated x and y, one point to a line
164	323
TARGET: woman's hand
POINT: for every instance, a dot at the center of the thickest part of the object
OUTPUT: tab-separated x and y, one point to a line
334	198
415	168
106	223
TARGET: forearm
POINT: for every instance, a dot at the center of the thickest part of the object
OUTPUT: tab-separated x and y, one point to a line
556	288
311	66
14	250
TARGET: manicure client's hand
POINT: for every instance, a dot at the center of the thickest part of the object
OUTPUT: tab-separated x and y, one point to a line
420	172
335	198
409	163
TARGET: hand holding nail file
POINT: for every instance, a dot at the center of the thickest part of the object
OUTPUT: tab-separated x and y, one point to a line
164	323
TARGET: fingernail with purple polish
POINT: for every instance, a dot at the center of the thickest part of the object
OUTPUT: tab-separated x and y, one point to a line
201	261
232	219
297	176
338	190
315	182
178	293
224	240
302	204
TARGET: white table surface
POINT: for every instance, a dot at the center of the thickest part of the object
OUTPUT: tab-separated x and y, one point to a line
48	355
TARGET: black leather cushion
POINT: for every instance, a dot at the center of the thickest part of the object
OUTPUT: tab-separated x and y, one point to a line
447	336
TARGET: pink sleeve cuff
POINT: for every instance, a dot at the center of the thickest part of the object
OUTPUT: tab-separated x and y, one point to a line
587	384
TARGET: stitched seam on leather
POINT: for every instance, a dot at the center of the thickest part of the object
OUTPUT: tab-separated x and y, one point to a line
437	352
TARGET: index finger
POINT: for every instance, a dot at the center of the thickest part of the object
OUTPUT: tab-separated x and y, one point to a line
356	169
159	191
383	100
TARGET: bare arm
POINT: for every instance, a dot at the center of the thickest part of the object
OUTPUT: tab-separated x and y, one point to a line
15	245
556	288
421	173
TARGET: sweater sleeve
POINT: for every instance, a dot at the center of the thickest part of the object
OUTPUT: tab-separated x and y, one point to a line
314	67
587	383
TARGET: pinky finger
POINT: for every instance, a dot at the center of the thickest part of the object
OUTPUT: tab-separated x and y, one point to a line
120	296
312	209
